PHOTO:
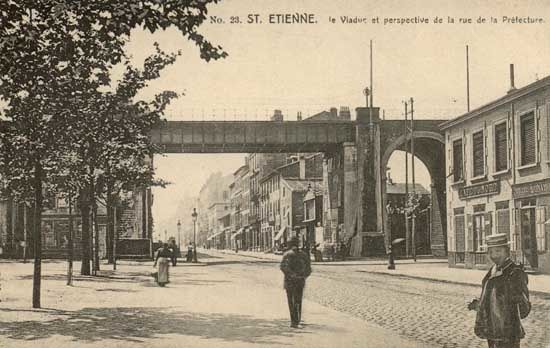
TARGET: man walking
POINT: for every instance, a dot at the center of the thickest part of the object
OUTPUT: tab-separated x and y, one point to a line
504	298
296	267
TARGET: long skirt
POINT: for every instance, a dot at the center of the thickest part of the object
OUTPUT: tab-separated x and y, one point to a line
163	264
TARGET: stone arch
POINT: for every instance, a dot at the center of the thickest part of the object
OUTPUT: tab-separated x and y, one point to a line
430	149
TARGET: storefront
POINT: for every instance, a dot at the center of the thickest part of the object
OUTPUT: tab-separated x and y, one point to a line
531	202
498	160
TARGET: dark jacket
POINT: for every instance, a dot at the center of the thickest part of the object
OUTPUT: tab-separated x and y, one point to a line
504	301
296	267
163	252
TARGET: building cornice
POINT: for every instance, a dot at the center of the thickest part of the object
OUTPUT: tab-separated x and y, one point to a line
510	97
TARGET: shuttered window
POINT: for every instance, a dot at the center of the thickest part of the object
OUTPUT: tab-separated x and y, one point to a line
478	154
501	147
457	160
528	139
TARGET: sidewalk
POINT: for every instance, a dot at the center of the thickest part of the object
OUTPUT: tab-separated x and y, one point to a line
427	269
201	307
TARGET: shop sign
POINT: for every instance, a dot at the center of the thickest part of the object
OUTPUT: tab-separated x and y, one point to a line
535	188
478	190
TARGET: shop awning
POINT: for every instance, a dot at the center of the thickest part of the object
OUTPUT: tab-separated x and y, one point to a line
214	235
279	234
237	233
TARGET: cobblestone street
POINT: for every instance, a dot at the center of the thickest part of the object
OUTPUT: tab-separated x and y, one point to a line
235	301
429	311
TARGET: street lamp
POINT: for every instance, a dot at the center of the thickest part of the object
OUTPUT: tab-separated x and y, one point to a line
179	232
194	216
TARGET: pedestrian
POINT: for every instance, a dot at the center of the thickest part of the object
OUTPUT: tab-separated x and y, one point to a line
174	250
343	251
189	256
163	257
504	298
317	254
296	267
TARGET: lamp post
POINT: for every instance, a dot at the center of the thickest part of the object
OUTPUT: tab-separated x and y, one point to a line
179	232
194	216
391	260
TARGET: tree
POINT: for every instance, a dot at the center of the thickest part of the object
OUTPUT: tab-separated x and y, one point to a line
38	78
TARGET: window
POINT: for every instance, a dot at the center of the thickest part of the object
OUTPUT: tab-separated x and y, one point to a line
528	139
479	227
503	218
460	240
457	161
501	147
478	154
309	209
479	235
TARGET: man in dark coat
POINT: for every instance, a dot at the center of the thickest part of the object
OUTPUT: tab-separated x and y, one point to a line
174	248
504	298
296	267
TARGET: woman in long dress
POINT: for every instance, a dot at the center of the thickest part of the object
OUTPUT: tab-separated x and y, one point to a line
163	260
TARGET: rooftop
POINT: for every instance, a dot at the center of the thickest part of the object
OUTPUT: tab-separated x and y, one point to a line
510	96
399	189
302	185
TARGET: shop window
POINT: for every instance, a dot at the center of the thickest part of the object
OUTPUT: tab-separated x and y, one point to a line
478	235
458	165
528	139
503	218
501	147
540	228
478	148
460	240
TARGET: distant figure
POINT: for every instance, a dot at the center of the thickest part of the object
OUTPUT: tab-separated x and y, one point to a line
189	256
317	254
296	267
504	298
174	249
163	256
343	251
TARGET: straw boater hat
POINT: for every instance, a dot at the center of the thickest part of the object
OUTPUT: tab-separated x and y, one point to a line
497	240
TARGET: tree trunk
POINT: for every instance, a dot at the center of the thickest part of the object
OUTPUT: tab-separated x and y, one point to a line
70	254
85	213
96	235
110	226
95	228
37	234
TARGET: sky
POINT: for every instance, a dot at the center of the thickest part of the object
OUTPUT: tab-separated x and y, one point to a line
312	67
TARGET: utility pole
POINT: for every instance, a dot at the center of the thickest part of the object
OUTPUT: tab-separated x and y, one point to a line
407	232
467	79
413	216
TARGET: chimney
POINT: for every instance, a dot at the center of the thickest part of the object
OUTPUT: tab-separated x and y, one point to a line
302	164
512	85
299	116
345	114
333	113
277	116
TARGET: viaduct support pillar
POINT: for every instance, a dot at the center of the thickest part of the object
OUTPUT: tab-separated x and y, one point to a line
367	231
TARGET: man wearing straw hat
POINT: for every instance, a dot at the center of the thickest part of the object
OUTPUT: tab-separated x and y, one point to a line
504	298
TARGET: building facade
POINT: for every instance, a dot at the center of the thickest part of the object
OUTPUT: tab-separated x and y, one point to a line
498	180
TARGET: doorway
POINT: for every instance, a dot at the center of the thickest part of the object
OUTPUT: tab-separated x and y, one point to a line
529	237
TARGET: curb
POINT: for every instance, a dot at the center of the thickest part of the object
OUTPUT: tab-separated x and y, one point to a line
437	280
446	281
